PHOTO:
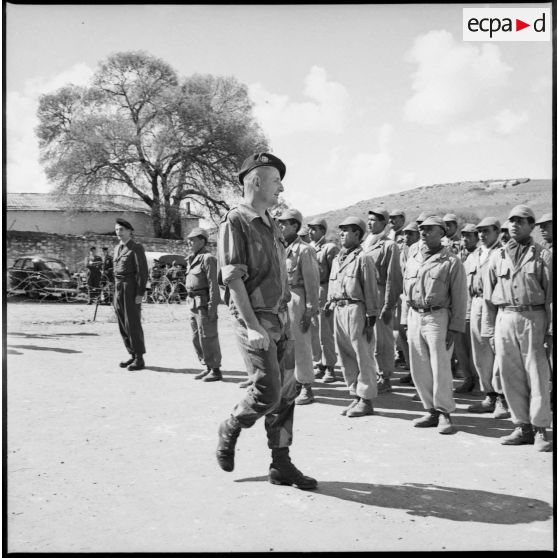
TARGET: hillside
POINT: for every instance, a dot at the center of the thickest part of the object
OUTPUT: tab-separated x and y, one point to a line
471	201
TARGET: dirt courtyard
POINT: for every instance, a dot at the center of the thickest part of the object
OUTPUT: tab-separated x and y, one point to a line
100	459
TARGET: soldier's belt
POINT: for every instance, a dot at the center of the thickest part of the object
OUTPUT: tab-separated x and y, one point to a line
521	308
198	292
345	301
426	309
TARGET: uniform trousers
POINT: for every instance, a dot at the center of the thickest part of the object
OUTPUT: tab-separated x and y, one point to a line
521	358
462	351
205	337
273	389
304	372
384	349
323	342
430	360
482	353
401	340
358	364
128	314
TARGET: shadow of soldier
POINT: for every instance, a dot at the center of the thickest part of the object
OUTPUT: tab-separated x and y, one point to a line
49	335
38	348
443	502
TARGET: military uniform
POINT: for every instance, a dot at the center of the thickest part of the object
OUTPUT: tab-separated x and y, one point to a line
94	264
518	297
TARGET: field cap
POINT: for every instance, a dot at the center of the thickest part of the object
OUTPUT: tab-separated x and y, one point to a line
124	223
433	220
290	214
397	213
318	223
450	218
469	228
423	216
521	211
261	160
547	217
411	227
382	213
354	221
489	222
197	231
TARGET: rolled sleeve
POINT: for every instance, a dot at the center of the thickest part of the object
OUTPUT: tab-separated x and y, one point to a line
232	253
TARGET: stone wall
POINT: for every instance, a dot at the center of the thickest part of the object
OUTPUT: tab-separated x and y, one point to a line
73	249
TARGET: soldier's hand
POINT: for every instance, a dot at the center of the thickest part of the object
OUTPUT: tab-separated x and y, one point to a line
386	315
369	327
139	299
258	338
491	343
548	341
449	339
328	310
305	321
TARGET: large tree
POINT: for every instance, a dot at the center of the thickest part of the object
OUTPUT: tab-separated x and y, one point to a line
139	129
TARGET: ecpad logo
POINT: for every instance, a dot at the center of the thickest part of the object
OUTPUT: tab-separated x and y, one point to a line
507	24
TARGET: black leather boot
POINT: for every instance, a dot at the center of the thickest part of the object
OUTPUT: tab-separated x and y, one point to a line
229	430
282	471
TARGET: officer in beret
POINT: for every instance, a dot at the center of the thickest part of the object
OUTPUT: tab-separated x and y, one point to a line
434	307
518	319
482	352
324	347
353	294
253	270
397	222
130	273
202	288
545	225
304	282
452	236
389	280
505	233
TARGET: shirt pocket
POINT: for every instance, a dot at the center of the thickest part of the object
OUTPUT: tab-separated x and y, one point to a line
436	279
533	288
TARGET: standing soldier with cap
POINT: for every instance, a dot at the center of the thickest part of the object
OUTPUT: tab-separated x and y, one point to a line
389	280
505	233
518	296
253	270
482	352
94	264
304	282
107	272
130	273
202	289
434	306
397	222
469	240
545	225
304	234
451	239
326	252
353	292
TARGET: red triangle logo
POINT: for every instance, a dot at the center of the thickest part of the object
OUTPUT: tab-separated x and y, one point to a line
519	25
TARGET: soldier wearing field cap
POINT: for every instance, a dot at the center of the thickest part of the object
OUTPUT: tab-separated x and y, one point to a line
324	346
397	222
202	288
452	238
545	223
353	293
469	240
434	308
130	274
304	282
303	234
390	285
518	295
505	233
482	352
254	273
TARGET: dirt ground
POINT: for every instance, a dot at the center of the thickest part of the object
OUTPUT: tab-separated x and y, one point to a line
101	459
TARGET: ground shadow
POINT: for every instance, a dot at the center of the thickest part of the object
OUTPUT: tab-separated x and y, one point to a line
444	502
173	370
48	335
37	348
13	352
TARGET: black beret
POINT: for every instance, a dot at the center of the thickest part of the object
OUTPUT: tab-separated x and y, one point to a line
261	160
124	223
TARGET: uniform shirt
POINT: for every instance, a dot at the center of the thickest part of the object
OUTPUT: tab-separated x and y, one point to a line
201	275
250	250
302	271
353	276
529	282
130	264
94	264
386	259
438	280
325	253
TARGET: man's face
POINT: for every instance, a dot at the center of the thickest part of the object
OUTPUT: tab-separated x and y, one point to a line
520	228
375	224
411	237
469	240
122	233
195	244
315	232
431	235
451	227
546	231
348	237
397	221
488	235
269	187
289	228
504	236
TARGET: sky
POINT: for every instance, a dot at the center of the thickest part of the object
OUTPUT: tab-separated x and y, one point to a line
359	101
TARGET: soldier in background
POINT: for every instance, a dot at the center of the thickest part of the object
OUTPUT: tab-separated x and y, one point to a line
505	233
304	234
452	238
107	273
94	264
545	225
324	348
469	240
397	222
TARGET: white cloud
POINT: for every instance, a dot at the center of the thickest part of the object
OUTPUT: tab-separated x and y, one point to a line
453	80
24	172
326	111
503	123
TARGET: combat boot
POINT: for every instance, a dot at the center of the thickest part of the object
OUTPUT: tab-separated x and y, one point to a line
202	374
305	396
354	402
282	471
320	371
428	420
214	376
138	363
384	384
126	363
487	405
362	408
542	443
445	425
523	434
229	430
329	377
501	410
467	386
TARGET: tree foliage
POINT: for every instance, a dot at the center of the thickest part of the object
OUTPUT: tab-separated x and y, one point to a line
139	129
